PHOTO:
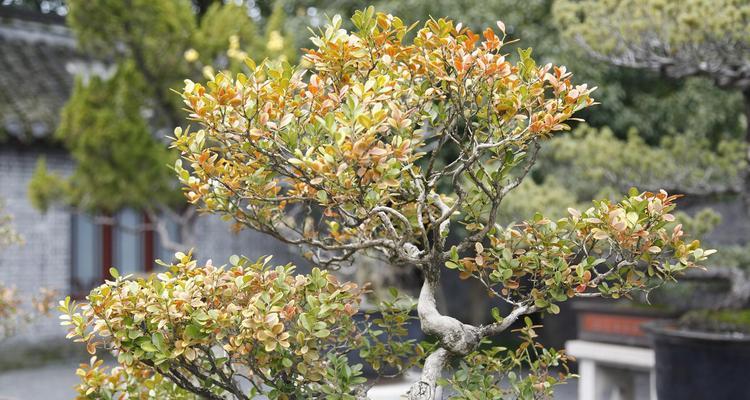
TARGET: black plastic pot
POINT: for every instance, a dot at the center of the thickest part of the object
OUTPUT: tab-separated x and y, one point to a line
699	365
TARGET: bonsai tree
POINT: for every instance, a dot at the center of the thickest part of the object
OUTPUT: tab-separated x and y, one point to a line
382	144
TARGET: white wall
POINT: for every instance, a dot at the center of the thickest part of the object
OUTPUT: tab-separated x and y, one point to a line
44	258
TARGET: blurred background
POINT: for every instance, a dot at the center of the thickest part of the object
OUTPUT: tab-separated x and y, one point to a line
87	105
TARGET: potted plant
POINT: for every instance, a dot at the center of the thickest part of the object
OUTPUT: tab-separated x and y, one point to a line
345	154
704	353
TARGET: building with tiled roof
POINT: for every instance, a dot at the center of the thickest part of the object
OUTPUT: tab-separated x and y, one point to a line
39	62
35	82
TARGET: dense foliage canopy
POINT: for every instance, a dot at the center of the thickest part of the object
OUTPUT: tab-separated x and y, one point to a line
382	141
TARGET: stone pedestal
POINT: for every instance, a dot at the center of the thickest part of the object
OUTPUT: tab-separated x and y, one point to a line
613	372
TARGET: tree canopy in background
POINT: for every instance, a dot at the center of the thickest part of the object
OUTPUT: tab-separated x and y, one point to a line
701	47
118	161
678	40
115	126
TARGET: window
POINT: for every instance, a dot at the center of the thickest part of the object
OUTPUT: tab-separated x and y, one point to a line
125	241
129	244
87	254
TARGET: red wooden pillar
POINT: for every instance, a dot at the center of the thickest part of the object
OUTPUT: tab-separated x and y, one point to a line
107	250
148	245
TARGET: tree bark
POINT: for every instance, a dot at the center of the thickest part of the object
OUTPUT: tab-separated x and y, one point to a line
455	338
427	388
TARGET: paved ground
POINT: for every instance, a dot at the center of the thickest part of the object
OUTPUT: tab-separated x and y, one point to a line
50	382
55	381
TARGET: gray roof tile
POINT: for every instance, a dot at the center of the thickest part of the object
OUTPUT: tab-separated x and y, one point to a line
35	77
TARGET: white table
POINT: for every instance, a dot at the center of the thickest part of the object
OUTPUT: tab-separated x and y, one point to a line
608	371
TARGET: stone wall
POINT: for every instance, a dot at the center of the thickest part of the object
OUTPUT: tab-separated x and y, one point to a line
217	242
43	260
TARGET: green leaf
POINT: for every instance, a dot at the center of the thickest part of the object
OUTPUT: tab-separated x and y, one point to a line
158	340
193	331
632	217
496	314
305	321
323	333
234	260
148	347
113	273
